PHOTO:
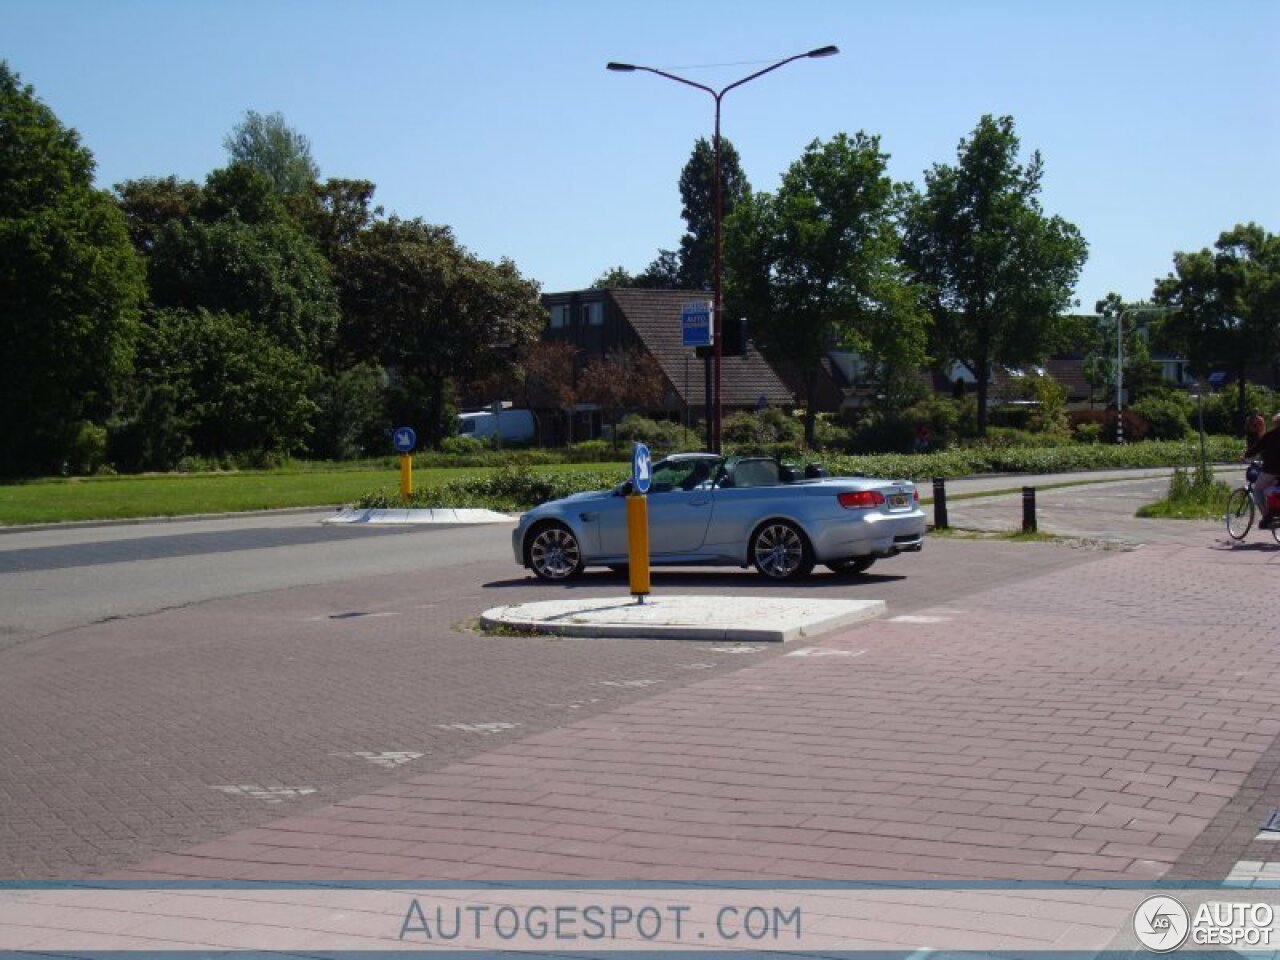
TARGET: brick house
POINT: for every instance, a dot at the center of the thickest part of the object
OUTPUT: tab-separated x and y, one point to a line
597	321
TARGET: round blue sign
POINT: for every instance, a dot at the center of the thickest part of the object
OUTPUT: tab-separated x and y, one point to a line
404	439
641	468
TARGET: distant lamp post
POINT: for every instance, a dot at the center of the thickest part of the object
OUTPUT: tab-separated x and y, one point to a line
717	321
1204	456
1120	362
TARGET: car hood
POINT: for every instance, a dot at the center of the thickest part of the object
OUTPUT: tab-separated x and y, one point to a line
551	506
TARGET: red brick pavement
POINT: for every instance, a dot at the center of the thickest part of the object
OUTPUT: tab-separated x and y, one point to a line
1085	724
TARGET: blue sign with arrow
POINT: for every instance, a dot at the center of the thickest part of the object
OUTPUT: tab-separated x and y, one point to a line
404	439
641	468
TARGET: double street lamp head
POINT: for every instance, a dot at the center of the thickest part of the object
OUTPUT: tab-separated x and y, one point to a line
828	51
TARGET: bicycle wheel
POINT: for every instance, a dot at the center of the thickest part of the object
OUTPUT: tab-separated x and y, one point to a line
1239	513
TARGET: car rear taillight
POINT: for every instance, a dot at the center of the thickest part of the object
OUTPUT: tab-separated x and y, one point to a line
861	499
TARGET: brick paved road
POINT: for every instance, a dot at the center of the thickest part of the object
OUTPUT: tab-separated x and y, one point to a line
1086	722
114	736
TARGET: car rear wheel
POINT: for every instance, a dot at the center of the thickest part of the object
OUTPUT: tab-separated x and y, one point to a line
852	566
554	552
780	551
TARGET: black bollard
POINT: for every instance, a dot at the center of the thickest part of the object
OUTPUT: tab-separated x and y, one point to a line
940	504
1028	509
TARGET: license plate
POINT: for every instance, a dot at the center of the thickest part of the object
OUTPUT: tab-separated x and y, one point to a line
899	501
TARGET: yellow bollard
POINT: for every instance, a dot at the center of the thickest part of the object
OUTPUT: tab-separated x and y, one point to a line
638	544
406	476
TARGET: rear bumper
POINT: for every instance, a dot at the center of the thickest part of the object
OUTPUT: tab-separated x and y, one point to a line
881	535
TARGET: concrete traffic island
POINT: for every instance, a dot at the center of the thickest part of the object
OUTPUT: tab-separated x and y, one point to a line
724	619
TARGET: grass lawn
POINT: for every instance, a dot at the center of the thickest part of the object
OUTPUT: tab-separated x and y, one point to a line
178	494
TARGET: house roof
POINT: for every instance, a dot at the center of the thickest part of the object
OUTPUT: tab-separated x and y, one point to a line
654	315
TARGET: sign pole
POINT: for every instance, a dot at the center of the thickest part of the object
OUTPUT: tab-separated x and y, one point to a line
404	439
638	522
406	476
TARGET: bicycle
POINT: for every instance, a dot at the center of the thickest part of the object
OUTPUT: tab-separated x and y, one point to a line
1241	508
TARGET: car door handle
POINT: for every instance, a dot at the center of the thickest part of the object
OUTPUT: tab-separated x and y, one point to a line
587	517
700	503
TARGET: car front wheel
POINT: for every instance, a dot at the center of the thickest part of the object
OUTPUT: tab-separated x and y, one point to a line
554	553
780	551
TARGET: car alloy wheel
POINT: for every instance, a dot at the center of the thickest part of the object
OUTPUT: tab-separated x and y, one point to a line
780	551
554	553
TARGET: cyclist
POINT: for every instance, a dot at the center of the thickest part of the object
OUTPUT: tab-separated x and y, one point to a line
1254	426
1266	448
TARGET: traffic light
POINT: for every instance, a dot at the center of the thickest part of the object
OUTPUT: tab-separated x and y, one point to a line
735	338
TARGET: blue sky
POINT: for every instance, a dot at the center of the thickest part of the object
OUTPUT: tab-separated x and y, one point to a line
1157	119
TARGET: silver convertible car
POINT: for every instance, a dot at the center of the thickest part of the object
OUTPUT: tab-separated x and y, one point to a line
734	511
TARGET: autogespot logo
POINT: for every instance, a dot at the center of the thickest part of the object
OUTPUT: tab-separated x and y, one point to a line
1161	924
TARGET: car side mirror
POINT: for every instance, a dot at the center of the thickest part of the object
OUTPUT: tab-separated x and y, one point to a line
623	489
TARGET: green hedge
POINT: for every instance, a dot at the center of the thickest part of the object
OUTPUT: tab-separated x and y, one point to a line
520	485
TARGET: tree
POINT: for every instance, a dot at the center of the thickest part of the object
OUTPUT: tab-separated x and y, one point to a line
698	199
230	387
70	286
273	148
151	202
416	301
240	254
626	377
614	278
1227	303
998	270
339	210
550	367
1139	373
816	265
663	273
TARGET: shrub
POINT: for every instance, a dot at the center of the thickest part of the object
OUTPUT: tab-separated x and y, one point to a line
885	431
657	434
1168	413
1088	432
767	426
1136	426
1222	415
509	488
87	450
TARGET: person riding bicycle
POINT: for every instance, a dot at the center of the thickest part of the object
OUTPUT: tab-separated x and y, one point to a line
1267	448
1254	426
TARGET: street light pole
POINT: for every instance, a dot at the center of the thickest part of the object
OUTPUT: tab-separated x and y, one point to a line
717	319
1120	362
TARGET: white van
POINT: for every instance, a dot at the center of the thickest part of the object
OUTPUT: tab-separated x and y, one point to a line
510	426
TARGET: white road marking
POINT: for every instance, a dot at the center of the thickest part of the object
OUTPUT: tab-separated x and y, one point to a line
265	794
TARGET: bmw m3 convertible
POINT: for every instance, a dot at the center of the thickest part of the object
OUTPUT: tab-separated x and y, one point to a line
705	509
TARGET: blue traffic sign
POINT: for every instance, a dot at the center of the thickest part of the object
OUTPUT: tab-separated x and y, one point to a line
695	324
404	439
641	468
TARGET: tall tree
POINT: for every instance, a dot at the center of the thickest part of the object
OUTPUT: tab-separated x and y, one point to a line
697	196
71	286
998	270
273	148
151	202
816	265
419	303
1227	303
241	254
